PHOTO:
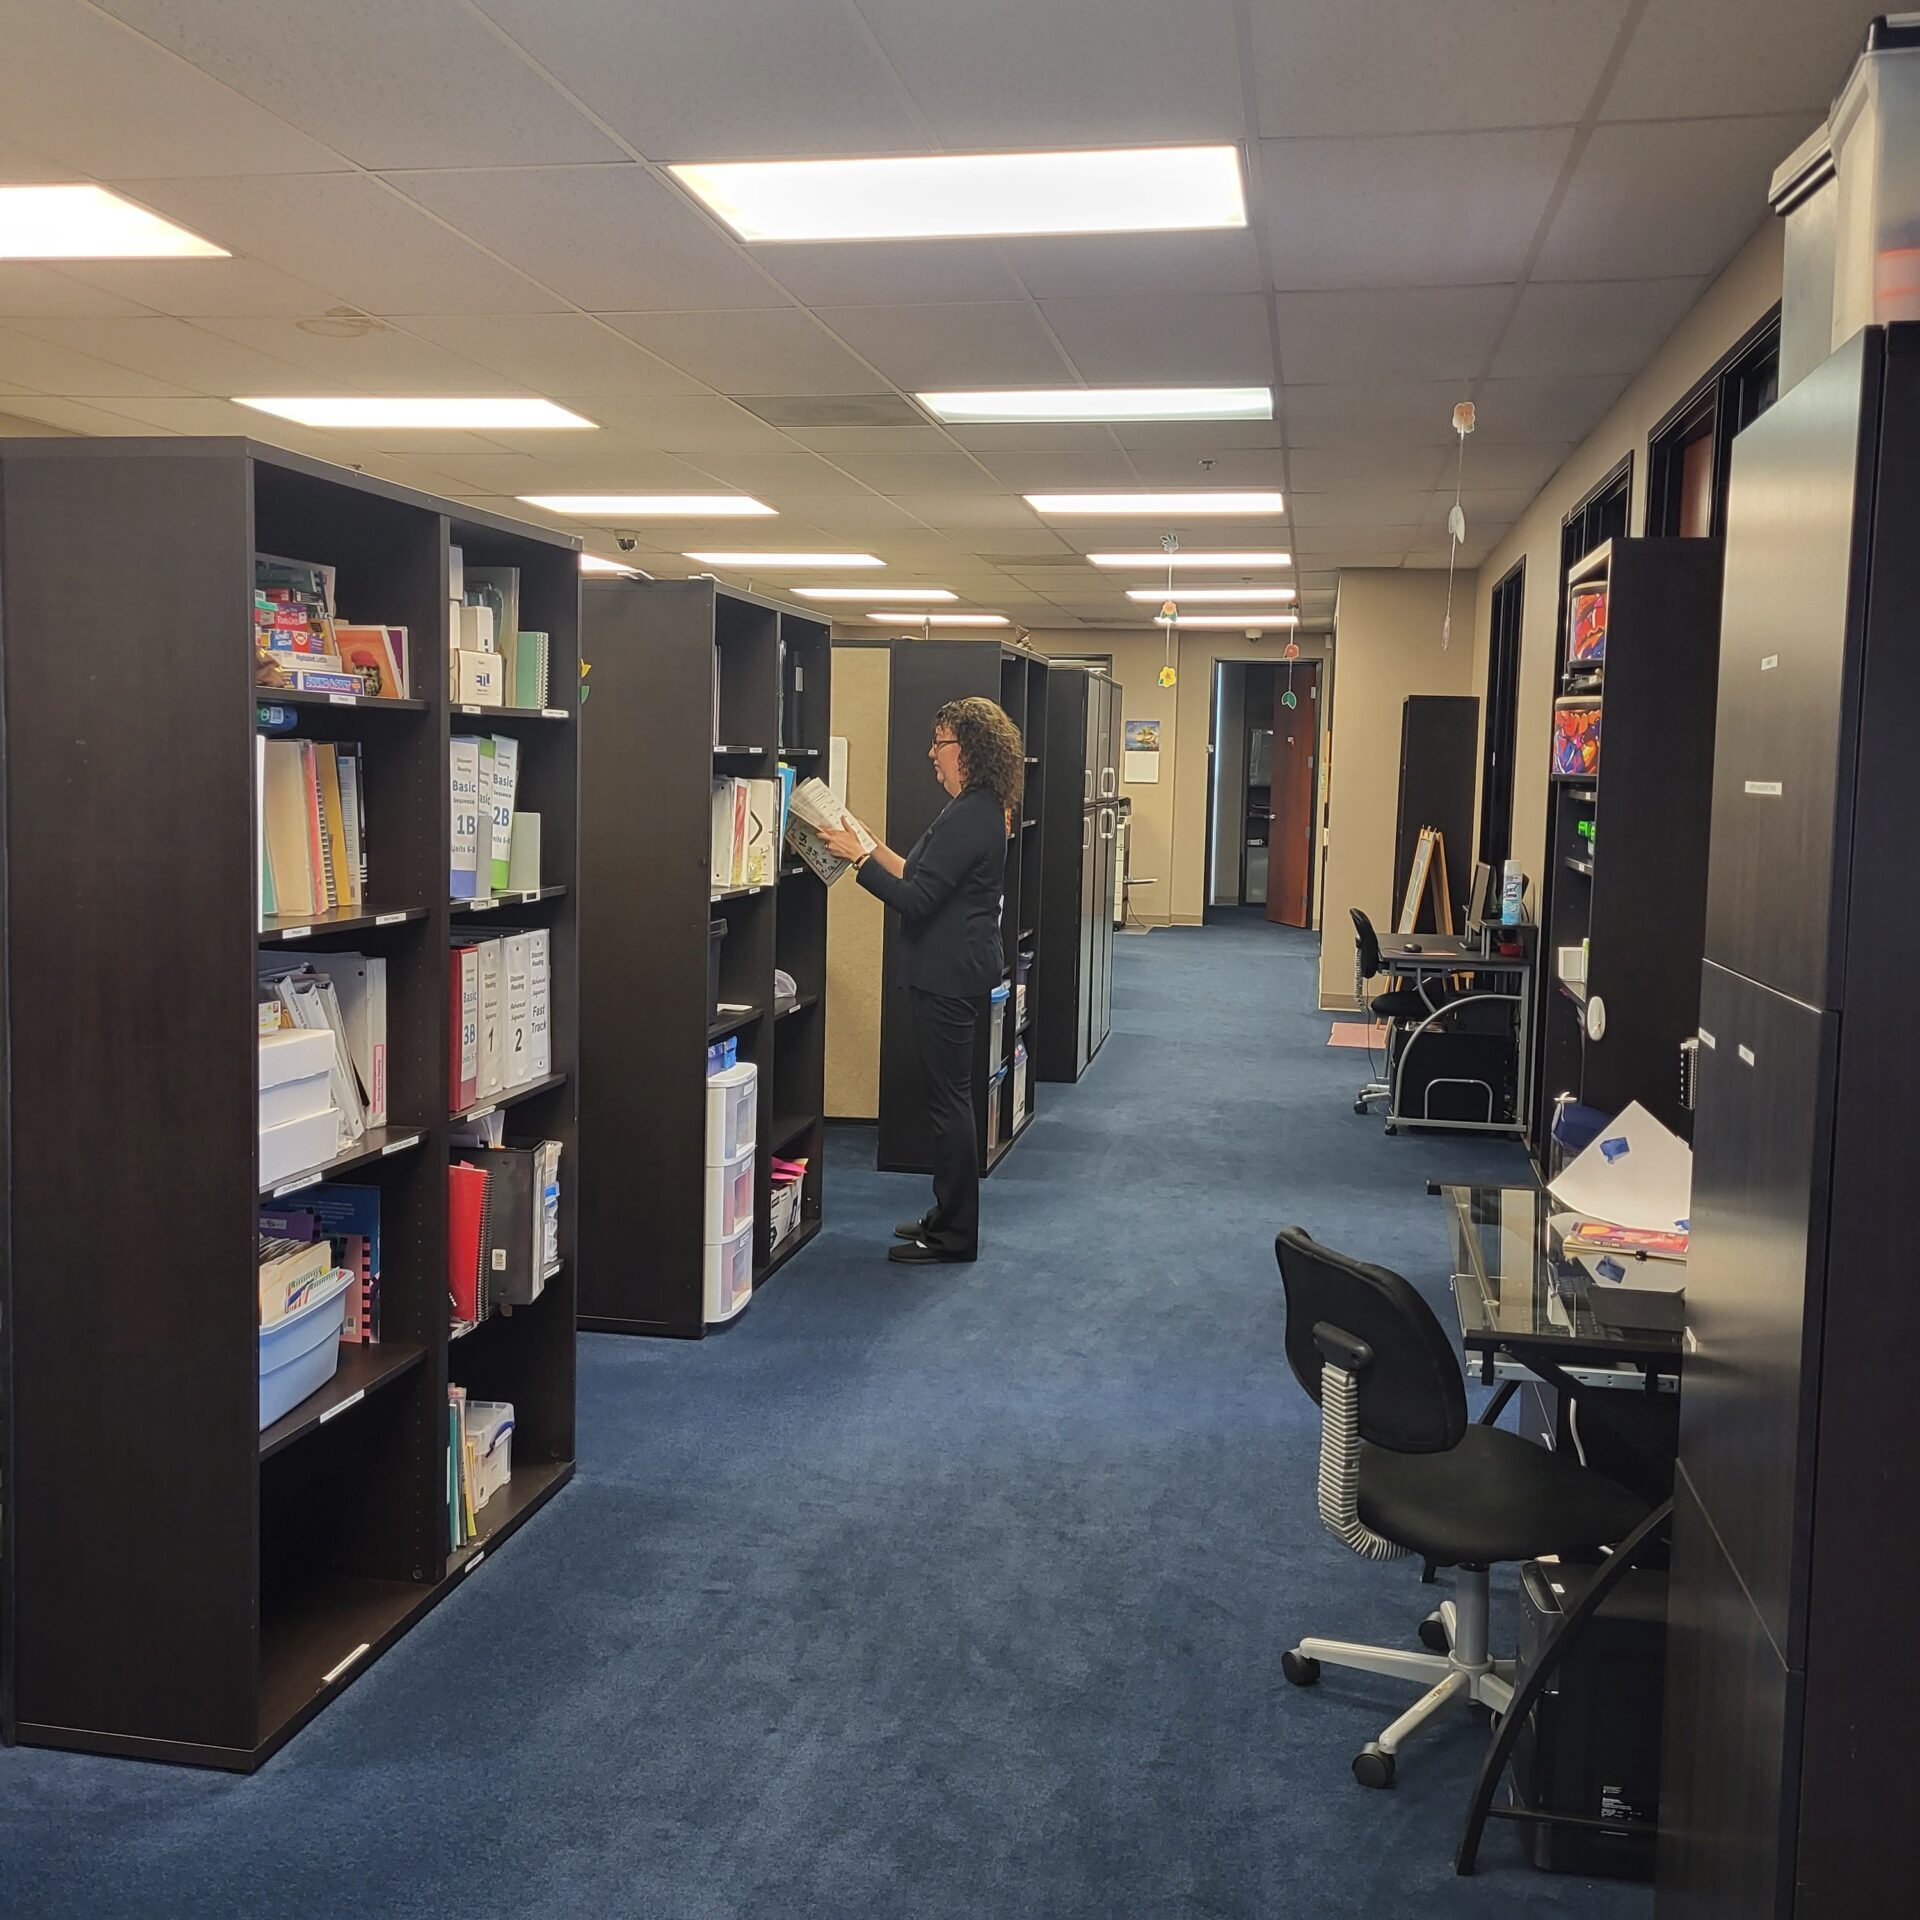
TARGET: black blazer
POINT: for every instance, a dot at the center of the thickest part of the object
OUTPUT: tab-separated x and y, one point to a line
948	898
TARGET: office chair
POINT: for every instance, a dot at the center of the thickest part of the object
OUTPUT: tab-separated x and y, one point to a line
1396	1005
1403	1472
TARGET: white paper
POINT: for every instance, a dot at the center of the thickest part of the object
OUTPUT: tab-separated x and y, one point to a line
837	762
1141	769
1648	1185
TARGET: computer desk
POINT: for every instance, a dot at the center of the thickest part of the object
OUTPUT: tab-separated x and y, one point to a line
1414	956
1524	1308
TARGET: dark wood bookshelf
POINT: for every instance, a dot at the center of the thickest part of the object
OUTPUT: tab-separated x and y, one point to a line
269	1568
511	1097
923	676
648	743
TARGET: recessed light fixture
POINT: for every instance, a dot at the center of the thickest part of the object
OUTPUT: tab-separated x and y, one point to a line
433	411
1101	403
649	506
871	594
778	560
1196	557
1229	596
599	563
89	223
950	195
1181	505
902	618
1255	617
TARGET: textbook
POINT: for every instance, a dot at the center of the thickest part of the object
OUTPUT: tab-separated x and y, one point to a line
814	806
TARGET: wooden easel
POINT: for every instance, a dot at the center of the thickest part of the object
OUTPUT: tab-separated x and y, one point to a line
1429	869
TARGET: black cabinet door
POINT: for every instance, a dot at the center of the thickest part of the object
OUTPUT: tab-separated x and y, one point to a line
1105	848
1095	744
1088	954
1762	1142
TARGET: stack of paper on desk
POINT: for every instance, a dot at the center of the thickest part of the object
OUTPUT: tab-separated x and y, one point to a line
1627	1199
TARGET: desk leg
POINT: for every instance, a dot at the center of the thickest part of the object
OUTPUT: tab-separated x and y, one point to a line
1500	1752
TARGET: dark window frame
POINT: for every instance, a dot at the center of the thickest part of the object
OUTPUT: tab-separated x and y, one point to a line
1500	738
1734	393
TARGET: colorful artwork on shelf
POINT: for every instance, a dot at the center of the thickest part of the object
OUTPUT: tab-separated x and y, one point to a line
1588	647
1576	737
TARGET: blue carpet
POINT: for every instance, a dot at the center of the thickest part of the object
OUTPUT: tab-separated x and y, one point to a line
945	1593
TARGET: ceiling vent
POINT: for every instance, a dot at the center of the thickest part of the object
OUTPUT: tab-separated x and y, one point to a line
835	410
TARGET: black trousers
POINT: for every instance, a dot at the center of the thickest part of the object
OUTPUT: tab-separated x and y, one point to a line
943	1030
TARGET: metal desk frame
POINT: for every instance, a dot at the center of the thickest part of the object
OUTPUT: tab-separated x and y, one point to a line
1444	954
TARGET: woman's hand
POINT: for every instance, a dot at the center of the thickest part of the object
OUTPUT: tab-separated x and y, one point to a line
844	841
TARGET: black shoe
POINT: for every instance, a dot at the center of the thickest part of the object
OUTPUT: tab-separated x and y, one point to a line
917	1253
910	1229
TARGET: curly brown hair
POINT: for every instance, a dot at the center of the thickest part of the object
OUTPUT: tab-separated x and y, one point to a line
991	752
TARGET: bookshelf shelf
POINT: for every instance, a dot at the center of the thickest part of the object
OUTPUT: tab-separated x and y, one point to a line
805	1001
788	1127
511	713
522	1496
271	1567
510	1097
363	1370
791	1245
1580	866
492	903
647	750
282	929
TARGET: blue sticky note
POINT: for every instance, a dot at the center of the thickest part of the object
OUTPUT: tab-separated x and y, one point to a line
1685	1226
1611	1270
1611	1150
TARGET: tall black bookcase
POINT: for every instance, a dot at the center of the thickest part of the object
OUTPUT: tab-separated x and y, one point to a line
924	675
1625	866
183	1585
650	756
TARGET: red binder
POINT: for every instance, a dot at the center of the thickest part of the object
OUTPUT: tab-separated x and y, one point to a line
464	1029
466	1222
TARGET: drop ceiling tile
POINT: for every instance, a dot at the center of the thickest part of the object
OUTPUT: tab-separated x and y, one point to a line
202	415
1528	466
1434	560
420	85
964	511
783	351
382	360
1061	472
1037	436
1375	547
778	478
14	426
175	351
28	289
1422	68
1166	339
1448	209
700	423
18	167
1485	508
612	239
1003	73
72	416
834	441
993	344
1673	197
1231	467
1331	469
1425	333
1366	507
566	472
1536	410
919	472
865	517
1197	439
1386	412
84	90
750	80
1102	266
46	366
349	233
1596	326
1786	56
899	273
554	352
195	289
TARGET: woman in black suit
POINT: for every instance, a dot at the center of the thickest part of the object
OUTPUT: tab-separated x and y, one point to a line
947	892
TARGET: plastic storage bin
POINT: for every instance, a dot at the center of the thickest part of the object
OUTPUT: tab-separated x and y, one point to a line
1022	973
733	1094
995	1087
730	1195
716	934
1875	131
1576	736
997	1025
300	1354
490	1436
729	1275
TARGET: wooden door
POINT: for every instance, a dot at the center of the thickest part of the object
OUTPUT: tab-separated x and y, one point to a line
1290	829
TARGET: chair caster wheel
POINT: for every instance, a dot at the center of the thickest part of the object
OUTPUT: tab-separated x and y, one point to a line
1302	1673
1373	1766
1391	1128
1480	1711
1433	1634
1359	1106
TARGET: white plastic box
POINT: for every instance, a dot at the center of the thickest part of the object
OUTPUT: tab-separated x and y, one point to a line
1572	965
730	1196
729	1275
1875	130
300	1354
785	1205
997	1027
490	1436
298	1145
1019	1083
733	1094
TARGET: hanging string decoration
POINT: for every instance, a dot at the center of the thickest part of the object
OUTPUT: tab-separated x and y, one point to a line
1463	418
1169	612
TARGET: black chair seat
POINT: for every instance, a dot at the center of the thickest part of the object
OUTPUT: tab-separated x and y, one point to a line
1403	1003
1492	1497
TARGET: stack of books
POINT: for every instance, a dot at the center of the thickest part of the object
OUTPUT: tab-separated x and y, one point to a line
492	662
334	1228
746	833
495	848
300	645
501	1007
311	796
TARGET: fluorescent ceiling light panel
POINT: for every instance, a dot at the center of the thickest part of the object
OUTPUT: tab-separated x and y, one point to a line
599	563
1101	403
947	196
1229	596
89	223
871	594
1181	505
905	619
778	560
1272	557
649	506
1255	618
435	412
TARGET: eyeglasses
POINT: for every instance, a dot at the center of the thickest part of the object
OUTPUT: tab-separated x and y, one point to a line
949	741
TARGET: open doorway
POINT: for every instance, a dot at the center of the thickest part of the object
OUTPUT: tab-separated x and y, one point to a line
1262	816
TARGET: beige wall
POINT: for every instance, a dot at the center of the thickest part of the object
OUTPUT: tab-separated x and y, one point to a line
862	681
1735	302
1387	626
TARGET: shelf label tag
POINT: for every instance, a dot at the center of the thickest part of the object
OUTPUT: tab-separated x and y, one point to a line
466	709
1707	1039
478	906
477	1558
1769	663
480	1113
388	919
352	1400
527	899
400	1146
333	1673
293	1186
1767	789
294	933
553	713
1746	1054
344	699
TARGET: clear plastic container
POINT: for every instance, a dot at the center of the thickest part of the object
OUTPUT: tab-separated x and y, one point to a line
732	1096
729	1275
300	1354
1875	133
730	1196
490	1435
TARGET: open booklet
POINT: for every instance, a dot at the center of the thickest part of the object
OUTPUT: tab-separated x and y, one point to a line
814	807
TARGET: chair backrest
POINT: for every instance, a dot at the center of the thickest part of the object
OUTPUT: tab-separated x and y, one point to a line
1412	1398
1367	943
